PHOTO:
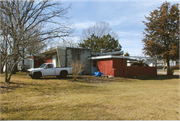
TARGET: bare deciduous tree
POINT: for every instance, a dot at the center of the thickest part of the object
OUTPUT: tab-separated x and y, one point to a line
3	51
68	43
26	24
99	29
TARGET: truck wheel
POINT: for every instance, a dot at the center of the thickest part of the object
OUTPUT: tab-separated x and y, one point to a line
63	74
36	75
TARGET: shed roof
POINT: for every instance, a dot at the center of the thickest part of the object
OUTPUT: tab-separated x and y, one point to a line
113	56
108	53
49	51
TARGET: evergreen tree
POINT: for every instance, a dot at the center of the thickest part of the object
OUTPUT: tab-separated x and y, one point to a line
126	54
101	44
161	33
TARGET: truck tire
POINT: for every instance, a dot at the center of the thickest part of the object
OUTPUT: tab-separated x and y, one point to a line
37	75
63	74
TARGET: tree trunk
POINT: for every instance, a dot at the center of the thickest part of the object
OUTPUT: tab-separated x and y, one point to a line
15	67
1	69
23	57
168	67
8	76
6	73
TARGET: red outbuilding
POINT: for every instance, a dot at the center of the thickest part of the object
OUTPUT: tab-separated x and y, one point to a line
117	66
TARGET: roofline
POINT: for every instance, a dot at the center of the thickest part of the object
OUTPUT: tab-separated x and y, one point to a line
54	49
108	53
49	51
104	57
79	48
112	56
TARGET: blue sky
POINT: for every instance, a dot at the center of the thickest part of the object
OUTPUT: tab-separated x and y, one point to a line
124	17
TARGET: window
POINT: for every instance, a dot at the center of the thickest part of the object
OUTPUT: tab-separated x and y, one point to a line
49	66
94	64
42	66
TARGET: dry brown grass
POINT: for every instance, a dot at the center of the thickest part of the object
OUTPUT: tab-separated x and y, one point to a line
90	98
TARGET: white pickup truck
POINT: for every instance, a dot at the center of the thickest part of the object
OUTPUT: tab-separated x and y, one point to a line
48	69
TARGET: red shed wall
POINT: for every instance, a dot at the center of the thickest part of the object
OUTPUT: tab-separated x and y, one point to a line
118	67
117	63
134	71
106	67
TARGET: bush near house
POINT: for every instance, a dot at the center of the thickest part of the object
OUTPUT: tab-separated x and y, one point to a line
77	67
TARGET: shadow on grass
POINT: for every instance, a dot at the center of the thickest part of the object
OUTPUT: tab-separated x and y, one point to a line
53	78
80	79
100	80
7	87
155	77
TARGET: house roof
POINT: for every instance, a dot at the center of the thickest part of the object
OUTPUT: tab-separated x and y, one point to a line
108	53
112	56
52	50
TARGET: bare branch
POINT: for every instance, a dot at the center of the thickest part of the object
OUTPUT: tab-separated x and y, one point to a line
24	26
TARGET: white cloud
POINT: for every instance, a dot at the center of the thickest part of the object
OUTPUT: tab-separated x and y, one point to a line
128	34
117	21
84	25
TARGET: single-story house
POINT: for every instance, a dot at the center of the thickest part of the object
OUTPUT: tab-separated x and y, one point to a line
111	63
63	57
147	60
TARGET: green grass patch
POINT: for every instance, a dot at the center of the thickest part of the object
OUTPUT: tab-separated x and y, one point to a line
90	98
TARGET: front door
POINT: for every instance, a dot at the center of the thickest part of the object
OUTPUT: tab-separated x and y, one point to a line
93	66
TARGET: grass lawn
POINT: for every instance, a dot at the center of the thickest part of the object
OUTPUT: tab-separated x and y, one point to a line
176	70
90	98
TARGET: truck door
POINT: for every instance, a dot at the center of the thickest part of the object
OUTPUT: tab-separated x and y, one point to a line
49	70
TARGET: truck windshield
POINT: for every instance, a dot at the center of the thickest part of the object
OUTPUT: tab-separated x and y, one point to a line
43	66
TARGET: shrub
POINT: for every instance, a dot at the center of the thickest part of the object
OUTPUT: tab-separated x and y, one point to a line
77	67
